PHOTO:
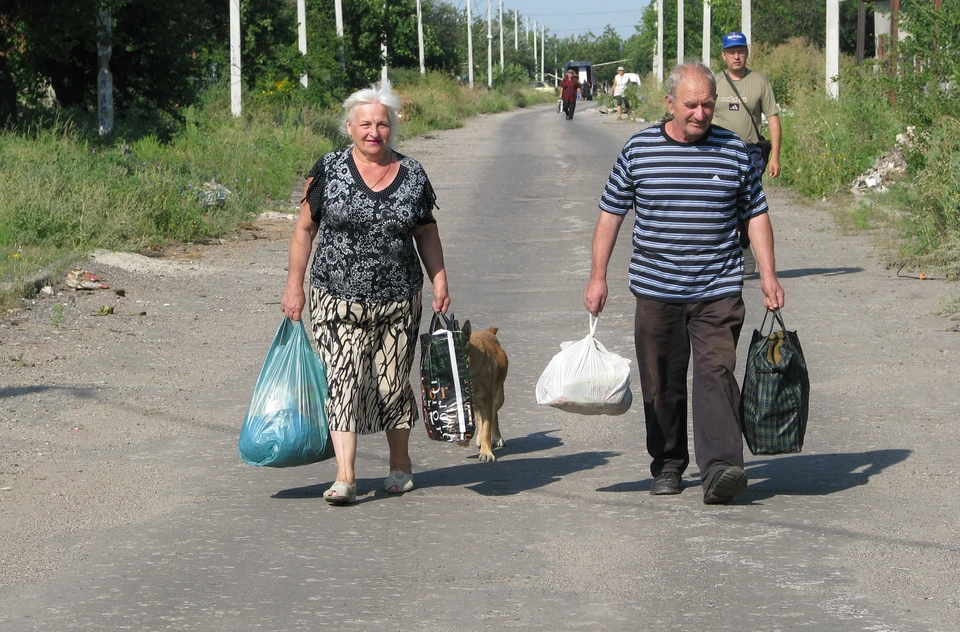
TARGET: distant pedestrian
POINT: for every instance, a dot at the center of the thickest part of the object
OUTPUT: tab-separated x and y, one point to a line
744	97
570	92
620	83
689	183
367	205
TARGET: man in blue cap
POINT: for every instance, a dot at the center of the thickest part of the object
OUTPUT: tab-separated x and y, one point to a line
743	97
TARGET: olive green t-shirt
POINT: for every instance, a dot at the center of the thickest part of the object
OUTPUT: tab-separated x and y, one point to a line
757	95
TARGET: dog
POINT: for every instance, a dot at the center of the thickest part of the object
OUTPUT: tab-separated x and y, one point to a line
488	370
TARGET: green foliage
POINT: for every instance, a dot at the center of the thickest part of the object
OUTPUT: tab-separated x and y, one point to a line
69	193
927	77
511	73
827	142
63	193
932	198
774	23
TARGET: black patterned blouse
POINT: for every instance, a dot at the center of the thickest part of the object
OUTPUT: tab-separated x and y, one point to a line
365	249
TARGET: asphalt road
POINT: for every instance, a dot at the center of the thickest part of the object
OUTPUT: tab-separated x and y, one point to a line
859	532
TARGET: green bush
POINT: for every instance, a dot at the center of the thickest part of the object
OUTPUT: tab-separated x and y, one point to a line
828	142
793	68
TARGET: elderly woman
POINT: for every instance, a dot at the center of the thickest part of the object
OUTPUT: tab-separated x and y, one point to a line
368	204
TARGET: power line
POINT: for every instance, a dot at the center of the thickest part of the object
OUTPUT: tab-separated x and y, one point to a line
545	15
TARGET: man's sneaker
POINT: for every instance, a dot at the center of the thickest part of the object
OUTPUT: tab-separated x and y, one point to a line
732	482
665	483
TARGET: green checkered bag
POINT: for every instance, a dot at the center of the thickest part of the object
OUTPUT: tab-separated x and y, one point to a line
775	399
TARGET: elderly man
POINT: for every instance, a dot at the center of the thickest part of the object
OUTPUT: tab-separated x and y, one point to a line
689	184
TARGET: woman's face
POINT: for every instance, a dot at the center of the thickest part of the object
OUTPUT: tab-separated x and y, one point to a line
369	128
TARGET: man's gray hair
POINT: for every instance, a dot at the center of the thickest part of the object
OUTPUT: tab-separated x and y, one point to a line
381	93
690	70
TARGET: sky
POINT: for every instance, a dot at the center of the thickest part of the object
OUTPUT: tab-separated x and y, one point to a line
568	17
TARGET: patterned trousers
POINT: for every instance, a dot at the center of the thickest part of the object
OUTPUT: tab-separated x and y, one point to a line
368	350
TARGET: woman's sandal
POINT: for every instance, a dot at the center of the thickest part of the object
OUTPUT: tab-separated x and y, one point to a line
340	493
399	482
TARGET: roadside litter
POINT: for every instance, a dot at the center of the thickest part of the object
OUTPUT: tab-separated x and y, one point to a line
213	193
78	279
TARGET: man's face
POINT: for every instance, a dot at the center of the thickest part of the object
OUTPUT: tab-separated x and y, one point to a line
735	57
692	109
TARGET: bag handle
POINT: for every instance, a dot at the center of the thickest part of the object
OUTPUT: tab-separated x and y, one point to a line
777	319
449	323
593	325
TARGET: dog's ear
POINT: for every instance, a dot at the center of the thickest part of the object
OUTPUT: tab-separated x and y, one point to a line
466	329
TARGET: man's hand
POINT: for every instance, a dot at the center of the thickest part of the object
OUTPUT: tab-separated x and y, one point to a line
773	169
773	297
595	296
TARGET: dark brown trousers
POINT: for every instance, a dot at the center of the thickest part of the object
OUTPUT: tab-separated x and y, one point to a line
665	334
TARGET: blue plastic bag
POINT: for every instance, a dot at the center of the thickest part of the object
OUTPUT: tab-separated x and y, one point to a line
286	423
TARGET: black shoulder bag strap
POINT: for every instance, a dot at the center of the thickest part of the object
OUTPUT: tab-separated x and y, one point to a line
736	92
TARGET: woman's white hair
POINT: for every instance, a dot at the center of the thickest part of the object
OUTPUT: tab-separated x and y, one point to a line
381	93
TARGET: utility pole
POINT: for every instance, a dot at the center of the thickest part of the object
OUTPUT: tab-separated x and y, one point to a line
658	55
470	42
894	40
862	31
679	32
235	57
338	14
104	76
535	50
746	21
489	46
423	68
501	35
543	56
302	32
833	48
383	46
707	26
516	31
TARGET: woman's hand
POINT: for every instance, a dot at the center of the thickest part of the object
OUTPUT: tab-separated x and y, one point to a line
292	303
441	297
294	298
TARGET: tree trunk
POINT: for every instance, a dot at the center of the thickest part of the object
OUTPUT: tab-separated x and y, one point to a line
8	89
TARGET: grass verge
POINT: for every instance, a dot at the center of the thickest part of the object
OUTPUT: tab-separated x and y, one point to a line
65	191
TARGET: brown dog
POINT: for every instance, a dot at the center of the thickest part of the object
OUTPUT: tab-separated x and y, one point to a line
488	371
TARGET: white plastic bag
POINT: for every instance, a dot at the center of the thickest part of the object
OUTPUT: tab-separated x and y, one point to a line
586	379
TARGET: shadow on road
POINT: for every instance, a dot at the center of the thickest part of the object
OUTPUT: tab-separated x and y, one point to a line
804	272
797	475
817	474
505	477
82	392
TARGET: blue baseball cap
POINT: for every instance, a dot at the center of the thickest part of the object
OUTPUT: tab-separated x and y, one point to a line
735	38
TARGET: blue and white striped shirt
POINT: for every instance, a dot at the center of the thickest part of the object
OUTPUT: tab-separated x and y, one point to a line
687	198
